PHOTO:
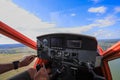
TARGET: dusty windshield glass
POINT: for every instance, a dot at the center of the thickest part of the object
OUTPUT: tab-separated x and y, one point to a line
98	18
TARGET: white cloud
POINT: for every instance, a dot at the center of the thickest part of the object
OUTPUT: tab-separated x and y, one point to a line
104	22
101	9
73	14
106	34
117	9
107	21
95	1
21	20
6	40
102	33
32	26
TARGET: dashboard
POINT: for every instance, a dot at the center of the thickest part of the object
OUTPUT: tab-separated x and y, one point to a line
67	46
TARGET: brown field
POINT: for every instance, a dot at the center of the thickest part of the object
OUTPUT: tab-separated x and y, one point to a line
8	58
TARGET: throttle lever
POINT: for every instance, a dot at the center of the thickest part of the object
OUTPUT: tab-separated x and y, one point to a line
38	67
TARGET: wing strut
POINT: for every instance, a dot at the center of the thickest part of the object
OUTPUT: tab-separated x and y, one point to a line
15	35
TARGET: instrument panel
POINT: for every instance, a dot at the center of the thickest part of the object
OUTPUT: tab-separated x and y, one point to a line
68	46
64	41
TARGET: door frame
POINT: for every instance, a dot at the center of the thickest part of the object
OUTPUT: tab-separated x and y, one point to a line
110	54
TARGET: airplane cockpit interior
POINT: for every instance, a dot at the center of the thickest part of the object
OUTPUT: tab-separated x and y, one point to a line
67	39
71	56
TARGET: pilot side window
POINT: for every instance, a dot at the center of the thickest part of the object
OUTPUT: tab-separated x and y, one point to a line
10	51
114	66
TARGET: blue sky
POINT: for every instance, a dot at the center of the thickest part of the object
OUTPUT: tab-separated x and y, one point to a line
67	13
99	18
